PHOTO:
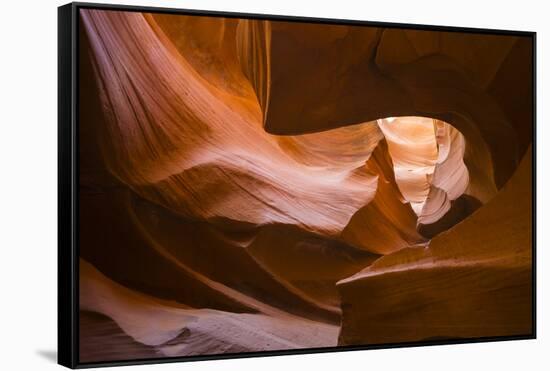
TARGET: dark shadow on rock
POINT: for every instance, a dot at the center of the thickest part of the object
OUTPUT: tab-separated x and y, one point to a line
461	208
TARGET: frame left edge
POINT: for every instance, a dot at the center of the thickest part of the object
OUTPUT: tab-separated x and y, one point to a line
67	353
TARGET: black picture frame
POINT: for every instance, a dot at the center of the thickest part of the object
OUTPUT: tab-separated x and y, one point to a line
68	192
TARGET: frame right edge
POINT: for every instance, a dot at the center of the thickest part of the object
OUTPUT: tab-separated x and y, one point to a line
534	186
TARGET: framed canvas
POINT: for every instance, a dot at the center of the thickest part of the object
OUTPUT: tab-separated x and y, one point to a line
236	185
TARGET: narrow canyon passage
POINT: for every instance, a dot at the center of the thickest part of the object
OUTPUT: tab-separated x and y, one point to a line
252	185
427	156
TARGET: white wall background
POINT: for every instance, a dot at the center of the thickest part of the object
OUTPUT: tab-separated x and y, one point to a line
28	181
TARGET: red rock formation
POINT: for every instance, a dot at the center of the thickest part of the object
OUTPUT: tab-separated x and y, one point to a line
253	185
170	329
388	222
472	281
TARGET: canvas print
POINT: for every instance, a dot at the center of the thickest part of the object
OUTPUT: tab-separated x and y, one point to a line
252	185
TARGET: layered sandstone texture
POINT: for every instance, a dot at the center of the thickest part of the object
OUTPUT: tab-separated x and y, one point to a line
250	185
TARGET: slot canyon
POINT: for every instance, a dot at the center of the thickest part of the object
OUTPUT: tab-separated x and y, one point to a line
251	185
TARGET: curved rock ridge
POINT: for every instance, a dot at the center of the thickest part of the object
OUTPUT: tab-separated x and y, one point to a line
169	143
472	280
251	185
427	156
170	329
450	178
388	223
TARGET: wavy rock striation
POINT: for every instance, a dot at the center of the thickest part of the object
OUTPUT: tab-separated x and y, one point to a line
252	185
473	280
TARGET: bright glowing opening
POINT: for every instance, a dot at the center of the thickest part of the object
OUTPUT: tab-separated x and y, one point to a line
427	157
